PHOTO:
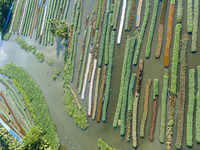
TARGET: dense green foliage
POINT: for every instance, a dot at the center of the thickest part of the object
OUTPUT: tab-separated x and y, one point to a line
7	141
189	16
24	45
190	111
39	56
59	29
195	26
109	76
37	101
35	139
126	85
79	115
142	31
175	58
103	145
198	107
122	84
163	105
155	88
151	31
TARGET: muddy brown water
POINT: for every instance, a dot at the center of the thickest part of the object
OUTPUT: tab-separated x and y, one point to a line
71	136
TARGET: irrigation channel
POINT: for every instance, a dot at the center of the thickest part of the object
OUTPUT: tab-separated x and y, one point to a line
71	136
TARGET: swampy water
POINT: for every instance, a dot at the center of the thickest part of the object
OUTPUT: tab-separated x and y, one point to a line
71	136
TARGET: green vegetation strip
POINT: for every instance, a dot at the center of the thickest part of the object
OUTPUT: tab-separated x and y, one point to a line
151	31
103	145
38	103
189	16
190	111
174	68
163	106
198	107
85	59
122	84
130	106
108	38
195	26
109	76
18	14
180	11
126	85
141	35
128	12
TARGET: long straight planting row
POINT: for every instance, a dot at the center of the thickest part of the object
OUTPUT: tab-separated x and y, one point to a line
190	111
122	84
163	106
145	112
180	11
130	106
198	107
85	59
183	67
154	110
195	26
161	26
151	31
126	85
128	13
175	57
189	16
169	33
109	75
139	43
18	14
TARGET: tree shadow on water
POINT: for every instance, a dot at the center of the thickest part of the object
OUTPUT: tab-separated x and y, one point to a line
59	46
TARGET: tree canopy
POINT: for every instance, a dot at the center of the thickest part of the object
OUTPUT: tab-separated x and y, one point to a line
4	9
59	28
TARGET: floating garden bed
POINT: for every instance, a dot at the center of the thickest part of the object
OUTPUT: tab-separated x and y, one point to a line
155	101
195	26
169	33
190	110
146	103
164	106
183	67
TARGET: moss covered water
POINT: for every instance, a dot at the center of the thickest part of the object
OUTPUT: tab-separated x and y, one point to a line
71	135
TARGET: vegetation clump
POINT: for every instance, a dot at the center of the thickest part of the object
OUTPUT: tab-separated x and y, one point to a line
25	45
39	56
79	114
103	145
